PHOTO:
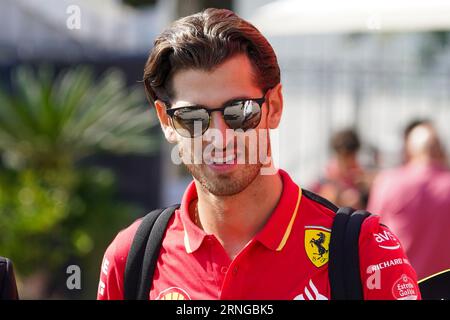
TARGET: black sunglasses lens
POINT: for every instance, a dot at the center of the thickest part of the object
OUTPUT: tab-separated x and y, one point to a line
190	122
243	115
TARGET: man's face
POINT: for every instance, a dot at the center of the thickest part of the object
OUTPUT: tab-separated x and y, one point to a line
222	160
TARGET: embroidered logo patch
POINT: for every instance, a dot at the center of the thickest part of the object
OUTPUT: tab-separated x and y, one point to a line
405	289
317	242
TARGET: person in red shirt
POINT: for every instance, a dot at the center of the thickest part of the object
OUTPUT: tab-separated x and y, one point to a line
345	182
414	200
244	229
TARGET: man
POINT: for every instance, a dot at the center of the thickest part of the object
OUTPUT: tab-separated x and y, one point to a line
414	200
345	182
244	229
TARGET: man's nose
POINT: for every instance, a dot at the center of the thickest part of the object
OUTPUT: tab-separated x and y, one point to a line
217	121
219	124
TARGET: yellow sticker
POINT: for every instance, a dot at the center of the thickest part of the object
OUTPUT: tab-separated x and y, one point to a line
317	242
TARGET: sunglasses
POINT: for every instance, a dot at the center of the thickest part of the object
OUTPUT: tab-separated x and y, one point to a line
193	121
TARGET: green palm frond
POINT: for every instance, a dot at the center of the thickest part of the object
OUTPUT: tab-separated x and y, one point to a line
49	120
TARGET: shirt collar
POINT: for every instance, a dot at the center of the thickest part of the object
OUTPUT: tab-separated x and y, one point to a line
193	235
278	228
274	234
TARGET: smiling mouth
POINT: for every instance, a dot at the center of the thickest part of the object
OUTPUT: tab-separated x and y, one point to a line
230	159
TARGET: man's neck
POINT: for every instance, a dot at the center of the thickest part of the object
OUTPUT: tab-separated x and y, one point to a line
235	220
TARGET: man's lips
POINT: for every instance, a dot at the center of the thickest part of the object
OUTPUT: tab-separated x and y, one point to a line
222	167
229	159
222	163
220	158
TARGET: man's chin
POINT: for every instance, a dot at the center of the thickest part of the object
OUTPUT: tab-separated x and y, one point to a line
225	181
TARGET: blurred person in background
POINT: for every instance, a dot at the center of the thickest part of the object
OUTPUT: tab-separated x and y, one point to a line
344	182
439	152
414	200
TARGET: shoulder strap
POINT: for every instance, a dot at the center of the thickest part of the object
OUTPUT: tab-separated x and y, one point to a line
143	254
8	287
343	265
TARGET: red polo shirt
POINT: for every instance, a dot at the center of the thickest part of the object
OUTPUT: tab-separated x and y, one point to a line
287	259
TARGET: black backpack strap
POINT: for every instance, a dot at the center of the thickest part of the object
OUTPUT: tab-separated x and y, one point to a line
8	287
336	264
353	274
143	254
343	265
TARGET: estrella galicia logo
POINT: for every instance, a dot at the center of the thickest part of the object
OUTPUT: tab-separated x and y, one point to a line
405	288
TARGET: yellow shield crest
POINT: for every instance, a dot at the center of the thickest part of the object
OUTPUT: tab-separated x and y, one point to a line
317	242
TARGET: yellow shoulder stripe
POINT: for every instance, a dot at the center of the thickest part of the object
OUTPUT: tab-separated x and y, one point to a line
291	222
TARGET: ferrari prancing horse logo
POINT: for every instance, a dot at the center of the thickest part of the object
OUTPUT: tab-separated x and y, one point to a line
317	242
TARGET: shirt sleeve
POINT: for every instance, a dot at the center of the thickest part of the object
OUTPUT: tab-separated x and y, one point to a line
385	269
112	270
111	283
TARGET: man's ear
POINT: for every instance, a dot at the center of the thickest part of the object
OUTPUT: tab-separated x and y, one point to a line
275	101
164	120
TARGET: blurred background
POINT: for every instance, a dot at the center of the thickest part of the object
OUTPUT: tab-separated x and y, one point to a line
81	153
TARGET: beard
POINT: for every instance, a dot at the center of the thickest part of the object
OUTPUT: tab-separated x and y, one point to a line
226	184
